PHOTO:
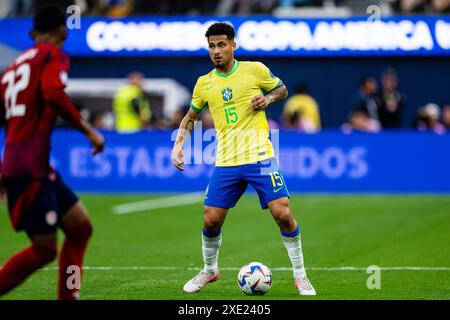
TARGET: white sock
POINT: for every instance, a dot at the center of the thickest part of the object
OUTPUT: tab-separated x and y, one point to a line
210	246
293	244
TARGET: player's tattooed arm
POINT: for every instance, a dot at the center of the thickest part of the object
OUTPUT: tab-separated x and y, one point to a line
277	95
261	102
186	126
185	129
190	125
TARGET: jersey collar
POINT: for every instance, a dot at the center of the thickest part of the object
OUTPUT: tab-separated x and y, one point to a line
235	66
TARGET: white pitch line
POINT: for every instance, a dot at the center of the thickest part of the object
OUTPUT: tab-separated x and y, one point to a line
159	203
131	268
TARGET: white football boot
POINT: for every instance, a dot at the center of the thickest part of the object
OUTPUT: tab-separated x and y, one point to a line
199	281
304	287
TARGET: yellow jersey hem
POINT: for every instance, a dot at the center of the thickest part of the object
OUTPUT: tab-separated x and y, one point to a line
244	162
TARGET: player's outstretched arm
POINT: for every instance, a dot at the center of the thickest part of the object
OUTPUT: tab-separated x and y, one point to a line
261	102
95	138
63	106
186	127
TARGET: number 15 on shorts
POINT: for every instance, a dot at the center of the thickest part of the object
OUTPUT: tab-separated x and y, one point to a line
277	180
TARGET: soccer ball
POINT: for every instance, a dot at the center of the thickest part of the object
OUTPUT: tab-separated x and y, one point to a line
254	278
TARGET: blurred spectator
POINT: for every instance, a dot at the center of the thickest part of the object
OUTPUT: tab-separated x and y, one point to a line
11	8
412	6
175	7
360	121
102	120
122	8
309	3
292	122
245	7
367	100
158	120
428	118
114	8
175	120
408	6
420	6
446	116
15	8
440	6
131	105
301	111
392	101
293	3
262	6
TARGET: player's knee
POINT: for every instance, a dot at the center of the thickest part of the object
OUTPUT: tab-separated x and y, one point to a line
211	222
47	252
283	215
87	229
80	233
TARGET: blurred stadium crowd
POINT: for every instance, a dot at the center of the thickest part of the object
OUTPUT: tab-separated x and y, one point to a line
378	107
121	8
378	102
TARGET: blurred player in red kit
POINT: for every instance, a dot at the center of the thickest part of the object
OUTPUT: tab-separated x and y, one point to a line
31	98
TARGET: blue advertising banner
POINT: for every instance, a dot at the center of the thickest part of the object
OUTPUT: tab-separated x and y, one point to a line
255	36
406	162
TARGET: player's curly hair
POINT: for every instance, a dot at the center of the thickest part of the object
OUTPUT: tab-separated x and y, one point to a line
48	18
219	29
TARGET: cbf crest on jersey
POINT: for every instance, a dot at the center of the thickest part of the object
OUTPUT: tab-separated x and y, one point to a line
227	94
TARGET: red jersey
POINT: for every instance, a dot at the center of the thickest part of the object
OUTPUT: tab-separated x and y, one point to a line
31	97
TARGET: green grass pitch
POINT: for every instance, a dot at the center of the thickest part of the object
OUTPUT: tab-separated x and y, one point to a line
337	231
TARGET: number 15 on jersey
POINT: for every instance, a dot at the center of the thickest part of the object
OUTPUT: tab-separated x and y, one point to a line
231	115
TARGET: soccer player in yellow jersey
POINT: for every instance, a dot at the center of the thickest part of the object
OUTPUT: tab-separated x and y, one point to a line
234	93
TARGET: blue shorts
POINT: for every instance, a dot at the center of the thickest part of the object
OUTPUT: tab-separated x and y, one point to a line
228	184
38	205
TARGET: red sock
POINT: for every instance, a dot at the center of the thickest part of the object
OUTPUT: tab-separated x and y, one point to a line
24	263
71	260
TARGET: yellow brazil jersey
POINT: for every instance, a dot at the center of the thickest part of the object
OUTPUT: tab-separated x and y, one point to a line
242	134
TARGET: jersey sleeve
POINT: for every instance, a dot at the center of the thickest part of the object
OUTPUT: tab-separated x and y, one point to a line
265	78
2	109
54	73
53	81
198	103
